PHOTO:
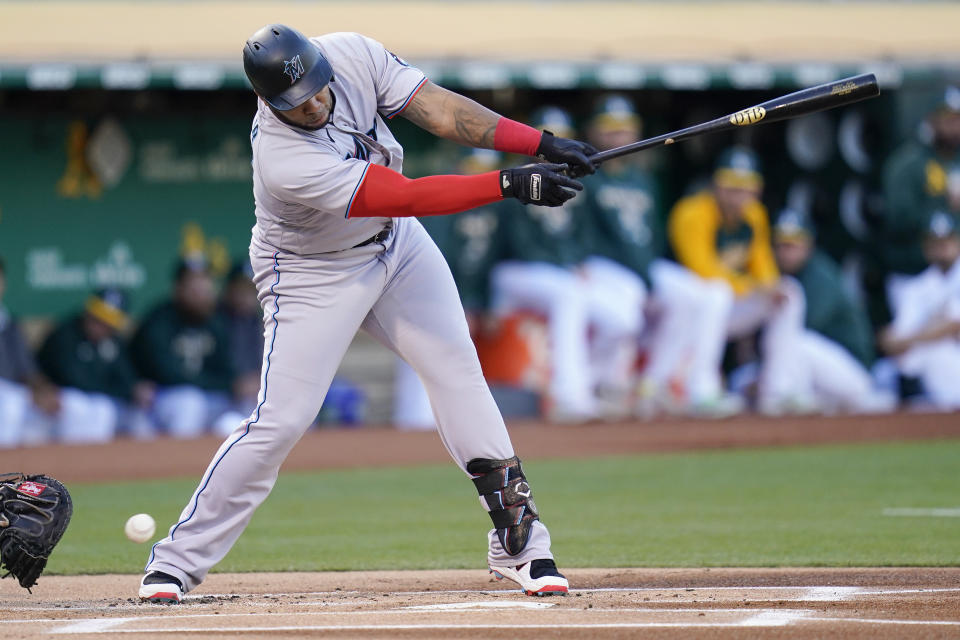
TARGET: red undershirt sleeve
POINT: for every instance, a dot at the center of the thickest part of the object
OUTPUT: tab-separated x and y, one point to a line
384	193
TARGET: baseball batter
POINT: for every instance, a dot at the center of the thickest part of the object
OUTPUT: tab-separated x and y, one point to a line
335	249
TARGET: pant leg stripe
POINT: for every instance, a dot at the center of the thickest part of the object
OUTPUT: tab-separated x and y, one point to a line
273	339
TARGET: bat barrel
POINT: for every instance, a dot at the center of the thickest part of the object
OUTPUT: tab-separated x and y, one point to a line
825	96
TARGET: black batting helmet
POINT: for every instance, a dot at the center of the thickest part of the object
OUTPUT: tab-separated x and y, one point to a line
284	67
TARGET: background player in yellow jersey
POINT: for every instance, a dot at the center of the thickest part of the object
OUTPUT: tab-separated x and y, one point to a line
722	234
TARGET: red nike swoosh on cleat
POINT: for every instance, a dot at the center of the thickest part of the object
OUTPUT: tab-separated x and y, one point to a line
548	589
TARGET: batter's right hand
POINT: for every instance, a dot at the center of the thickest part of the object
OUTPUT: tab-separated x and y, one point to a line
573	152
542	184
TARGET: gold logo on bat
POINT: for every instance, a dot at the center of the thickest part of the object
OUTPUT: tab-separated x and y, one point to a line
752	115
843	89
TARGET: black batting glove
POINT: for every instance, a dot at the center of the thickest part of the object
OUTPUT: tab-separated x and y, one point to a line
571	152
542	184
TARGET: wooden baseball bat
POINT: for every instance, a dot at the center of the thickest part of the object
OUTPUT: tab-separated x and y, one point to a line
799	103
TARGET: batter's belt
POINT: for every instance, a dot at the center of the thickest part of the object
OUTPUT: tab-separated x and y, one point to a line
380	236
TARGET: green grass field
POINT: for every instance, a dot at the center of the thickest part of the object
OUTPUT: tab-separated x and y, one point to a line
817	506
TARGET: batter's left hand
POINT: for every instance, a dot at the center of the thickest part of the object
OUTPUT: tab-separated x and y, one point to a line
570	152
540	184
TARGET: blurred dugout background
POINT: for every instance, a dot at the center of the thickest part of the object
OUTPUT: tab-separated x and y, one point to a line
124	125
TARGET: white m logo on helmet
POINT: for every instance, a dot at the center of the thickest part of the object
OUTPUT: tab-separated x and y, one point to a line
293	68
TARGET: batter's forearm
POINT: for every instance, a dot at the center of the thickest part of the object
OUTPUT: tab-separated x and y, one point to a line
473	124
459	119
451	116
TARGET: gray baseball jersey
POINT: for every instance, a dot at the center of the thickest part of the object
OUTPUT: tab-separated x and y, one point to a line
318	288
304	181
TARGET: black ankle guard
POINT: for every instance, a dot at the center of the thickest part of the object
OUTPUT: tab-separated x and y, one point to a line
505	494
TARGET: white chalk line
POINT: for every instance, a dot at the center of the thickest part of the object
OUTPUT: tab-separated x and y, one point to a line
936	512
580	610
420	627
482	604
444	592
904	591
515	590
383	612
91	625
812	594
753	622
774	618
139	606
109	625
755	618
402	611
951	623
827	594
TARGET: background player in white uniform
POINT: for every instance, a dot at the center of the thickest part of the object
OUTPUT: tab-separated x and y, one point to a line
925	334
837	341
334	249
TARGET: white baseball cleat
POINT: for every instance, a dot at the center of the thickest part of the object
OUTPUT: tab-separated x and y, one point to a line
161	588
536	578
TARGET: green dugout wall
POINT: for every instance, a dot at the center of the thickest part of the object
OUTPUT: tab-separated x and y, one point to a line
113	200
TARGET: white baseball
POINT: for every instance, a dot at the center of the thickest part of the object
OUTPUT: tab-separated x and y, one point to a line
140	528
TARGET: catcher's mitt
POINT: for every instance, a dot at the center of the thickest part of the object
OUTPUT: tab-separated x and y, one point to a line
34	513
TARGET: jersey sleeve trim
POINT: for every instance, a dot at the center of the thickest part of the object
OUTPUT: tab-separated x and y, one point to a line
356	189
406	102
